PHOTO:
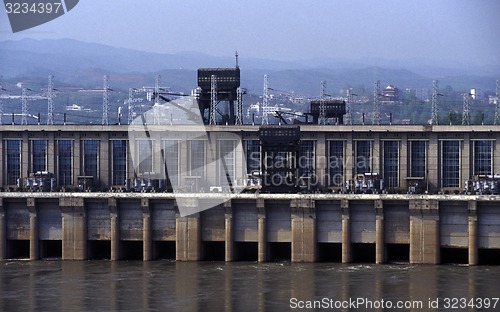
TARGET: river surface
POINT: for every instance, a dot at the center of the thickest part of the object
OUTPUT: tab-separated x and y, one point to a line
240	286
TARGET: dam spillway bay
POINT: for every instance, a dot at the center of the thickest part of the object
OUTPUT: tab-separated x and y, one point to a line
378	228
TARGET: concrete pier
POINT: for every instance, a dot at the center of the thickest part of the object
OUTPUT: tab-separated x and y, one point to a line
299	228
229	245
261	231
3	232
34	237
473	234
74	229
379	230
115	229
303	230
346	231
188	236
147	244
424	232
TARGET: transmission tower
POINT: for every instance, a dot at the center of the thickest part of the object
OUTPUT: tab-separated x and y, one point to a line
497	104
24	113
265	101
1	103
376	103
239	106
322	106
156	106
105	100
131	105
466	113
348	107
213	99
50	101
435	107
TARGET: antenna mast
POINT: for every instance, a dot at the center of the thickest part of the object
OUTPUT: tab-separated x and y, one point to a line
265	101
50	101
376	103
105	100
213	99
322	105
236	56
435	107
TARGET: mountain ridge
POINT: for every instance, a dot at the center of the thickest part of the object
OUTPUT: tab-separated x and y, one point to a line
71	60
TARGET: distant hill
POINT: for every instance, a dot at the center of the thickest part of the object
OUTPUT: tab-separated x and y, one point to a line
79	63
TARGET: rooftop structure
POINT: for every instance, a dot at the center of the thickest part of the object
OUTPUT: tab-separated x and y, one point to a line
227	83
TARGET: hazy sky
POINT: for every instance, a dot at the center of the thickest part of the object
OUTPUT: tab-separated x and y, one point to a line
464	31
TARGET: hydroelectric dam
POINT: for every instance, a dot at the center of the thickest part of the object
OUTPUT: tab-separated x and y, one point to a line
349	193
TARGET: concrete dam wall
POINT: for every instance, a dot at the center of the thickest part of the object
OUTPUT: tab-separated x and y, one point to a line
418	229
